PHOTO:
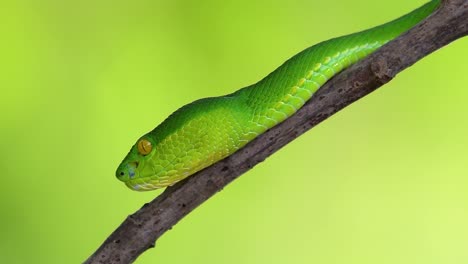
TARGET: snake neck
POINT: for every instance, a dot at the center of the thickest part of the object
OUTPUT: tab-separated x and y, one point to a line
285	90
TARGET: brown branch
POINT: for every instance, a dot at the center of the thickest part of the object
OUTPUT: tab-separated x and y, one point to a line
141	229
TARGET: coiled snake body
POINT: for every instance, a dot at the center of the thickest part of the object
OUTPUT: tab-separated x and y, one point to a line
205	131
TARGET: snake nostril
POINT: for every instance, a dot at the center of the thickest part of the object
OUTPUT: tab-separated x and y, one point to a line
122	173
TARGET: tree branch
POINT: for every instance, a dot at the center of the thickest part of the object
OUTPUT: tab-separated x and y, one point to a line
141	229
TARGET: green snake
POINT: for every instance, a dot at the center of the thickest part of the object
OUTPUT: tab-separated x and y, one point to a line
210	129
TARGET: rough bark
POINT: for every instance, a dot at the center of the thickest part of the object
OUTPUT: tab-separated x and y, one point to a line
141	229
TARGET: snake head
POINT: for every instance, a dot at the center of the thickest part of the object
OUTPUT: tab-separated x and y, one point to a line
153	164
134	166
192	138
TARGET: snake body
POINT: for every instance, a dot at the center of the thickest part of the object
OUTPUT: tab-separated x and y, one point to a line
210	129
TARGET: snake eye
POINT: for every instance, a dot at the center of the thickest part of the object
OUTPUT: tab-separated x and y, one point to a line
144	147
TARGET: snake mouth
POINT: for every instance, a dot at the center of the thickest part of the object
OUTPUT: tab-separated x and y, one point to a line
142	185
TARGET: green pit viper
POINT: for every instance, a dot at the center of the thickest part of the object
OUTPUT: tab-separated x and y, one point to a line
210	129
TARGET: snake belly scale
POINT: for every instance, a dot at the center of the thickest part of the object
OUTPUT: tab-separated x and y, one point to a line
210	129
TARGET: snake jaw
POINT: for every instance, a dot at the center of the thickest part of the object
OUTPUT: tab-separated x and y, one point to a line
145	184
133	186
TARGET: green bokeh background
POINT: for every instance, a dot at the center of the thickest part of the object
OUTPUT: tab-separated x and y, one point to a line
384	181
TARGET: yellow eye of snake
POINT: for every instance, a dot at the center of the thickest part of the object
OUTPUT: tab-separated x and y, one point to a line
144	147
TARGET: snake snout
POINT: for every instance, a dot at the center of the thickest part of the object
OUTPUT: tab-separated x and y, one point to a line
127	171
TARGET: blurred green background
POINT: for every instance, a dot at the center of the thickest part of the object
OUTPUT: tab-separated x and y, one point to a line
384	181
